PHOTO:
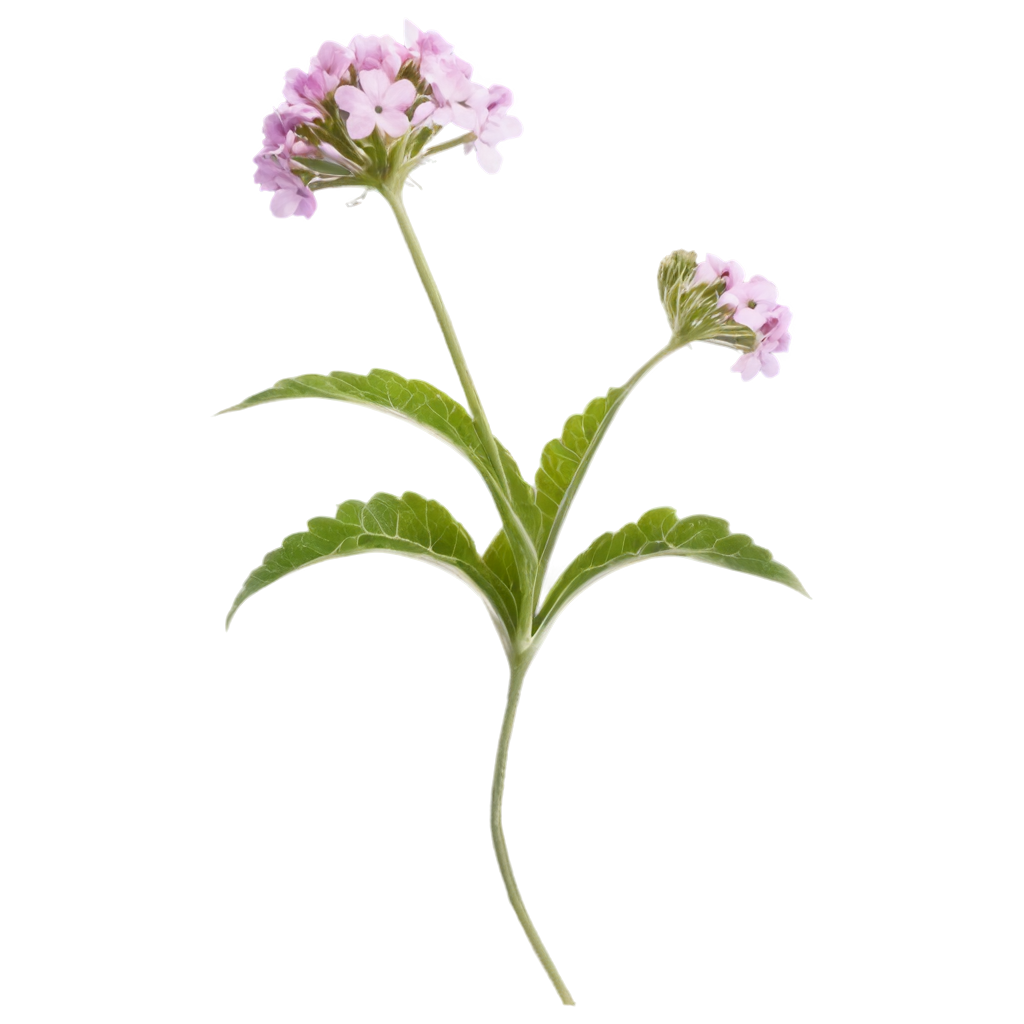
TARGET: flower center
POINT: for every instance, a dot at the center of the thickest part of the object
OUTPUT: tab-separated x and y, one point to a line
378	110
752	304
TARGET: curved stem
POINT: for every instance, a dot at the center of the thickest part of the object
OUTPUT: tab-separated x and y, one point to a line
519	666
584	464
448	330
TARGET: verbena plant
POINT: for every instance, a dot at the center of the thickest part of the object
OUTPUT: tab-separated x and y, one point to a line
365	116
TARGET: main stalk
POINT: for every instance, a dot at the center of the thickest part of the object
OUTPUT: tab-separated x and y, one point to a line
498	833
519	661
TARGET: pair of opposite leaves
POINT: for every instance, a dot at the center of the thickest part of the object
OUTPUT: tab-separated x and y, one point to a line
414	526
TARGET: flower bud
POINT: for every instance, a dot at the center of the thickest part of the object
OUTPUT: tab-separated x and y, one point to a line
674	276
692	305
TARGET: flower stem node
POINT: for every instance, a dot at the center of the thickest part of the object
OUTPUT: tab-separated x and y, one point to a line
711	302
363	115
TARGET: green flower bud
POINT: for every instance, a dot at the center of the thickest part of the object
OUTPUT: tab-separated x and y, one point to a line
674	276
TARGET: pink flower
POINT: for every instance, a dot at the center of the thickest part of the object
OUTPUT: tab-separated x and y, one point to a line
459	101
425	44
378	103
776	329
311	88
376	53
713	268
333	61
277	125
753	299
774	338
275	130
495	127
761	360
291	197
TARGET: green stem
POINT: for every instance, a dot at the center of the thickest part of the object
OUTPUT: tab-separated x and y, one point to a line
461	140
448	330
519	665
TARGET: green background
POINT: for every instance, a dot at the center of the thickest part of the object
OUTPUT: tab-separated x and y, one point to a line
726	804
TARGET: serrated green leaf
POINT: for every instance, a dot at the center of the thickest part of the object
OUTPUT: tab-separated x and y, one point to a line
500	559
409	525
427	407
524	497
661	532
414	400
563	458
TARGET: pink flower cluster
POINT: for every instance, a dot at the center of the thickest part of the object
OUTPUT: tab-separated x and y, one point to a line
755	307
375	84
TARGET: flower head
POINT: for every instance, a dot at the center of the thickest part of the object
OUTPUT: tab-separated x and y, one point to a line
363	115
711	301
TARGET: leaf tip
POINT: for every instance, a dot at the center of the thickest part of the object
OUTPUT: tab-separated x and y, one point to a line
231	615
227	410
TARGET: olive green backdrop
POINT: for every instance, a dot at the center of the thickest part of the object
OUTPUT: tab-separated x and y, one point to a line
726	804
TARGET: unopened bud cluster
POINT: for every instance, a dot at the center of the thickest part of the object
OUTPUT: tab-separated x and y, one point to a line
710	301
363	113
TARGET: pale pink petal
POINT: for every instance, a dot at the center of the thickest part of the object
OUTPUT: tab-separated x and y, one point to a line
333	59
375	84
782	317
489	158
294	83
293	114
361	124
353	100
733	273
284	203
443	116
743	364
497	130
422	113
751	367
425	44
498	96
465	117
752	318
399	95
367	52
390	45
717	264
704	274
760	289
769	364
393	122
